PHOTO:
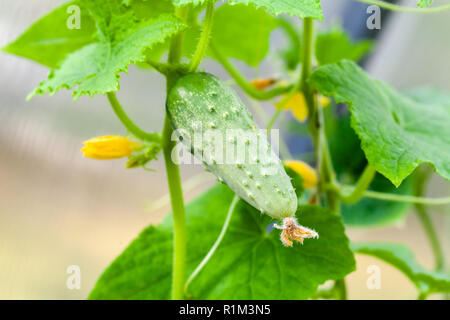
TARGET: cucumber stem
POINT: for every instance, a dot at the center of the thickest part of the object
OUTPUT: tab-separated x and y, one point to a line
179	216
363	183
204	38
128	123
173	176
243	83
421	179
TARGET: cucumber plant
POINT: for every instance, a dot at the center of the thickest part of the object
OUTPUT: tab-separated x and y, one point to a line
369	163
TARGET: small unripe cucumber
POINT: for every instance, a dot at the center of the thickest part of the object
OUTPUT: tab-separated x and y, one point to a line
199	102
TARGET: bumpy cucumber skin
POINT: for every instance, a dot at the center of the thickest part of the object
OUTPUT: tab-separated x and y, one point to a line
203	98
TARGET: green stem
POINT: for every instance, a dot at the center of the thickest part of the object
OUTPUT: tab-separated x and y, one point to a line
243	83
204	37
128	123
173	176
363	183
395	7
311	101
176	45
324	164
422	176
422	295
179	216
274	118
215	245
341	289
403	198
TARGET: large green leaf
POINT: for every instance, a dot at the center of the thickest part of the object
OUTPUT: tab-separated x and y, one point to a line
403	259
49	40
243	32
397	133
349	162
250	263
299	8
335	45
123	39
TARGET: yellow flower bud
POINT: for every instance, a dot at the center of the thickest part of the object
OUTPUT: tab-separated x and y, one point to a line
109	147
307	173
324	101
297	104
262	84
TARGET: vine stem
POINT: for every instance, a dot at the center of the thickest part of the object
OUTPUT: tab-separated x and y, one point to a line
311	101
204	37
173	176
395	7
422	177
243	83
128	123
363	183
401	198
393	197
215	245
179	215
324	165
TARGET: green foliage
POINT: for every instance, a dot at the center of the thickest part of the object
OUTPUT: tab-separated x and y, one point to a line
403	259
242	32
122	39
335	45
250	263
349	162
299	8
48	41
424	3
397	133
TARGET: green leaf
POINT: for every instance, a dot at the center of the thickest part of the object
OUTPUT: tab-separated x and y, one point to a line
49	40
349	162
429	95
424	3
243	32
397	133
299	8
336	45
123	39
250	263
403	259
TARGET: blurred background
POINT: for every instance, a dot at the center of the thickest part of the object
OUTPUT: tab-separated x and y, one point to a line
59	209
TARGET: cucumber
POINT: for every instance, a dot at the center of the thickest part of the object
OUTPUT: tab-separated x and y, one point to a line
200	105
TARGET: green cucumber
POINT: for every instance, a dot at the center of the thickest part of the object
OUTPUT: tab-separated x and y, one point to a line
200	103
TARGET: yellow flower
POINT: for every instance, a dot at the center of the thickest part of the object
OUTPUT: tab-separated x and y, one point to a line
307	173
109	147
262	84
297	104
